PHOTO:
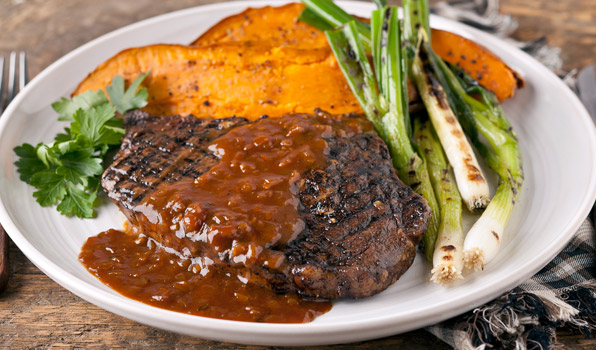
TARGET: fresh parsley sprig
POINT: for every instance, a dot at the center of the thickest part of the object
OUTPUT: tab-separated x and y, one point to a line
67	171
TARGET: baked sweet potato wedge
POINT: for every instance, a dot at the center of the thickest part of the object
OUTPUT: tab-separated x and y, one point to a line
279	25
478	61
264	61
237	78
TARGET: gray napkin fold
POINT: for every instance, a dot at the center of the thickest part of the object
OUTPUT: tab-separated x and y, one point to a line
562	294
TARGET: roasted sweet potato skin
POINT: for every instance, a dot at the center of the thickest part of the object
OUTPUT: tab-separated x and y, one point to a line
280	26
237	78
478	62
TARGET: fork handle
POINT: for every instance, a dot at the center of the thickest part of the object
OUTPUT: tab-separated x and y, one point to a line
4	270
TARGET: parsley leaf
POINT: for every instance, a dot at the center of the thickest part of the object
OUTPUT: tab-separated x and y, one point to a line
50	187
91	123
88	99
28	163
46	155
67	171
77	202
111	135
131	99
78	165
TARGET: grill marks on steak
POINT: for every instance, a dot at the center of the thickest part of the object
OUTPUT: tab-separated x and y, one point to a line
361	223
160	149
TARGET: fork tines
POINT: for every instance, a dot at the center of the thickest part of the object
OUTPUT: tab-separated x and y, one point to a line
14	75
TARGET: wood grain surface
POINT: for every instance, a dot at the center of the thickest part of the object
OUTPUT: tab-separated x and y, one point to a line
4	264
37	313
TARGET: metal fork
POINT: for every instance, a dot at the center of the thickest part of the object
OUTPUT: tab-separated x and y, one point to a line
12	88
13	76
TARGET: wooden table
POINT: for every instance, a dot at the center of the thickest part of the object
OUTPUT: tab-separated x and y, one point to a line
35	312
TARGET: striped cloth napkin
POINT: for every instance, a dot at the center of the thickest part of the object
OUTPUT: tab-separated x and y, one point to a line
562	294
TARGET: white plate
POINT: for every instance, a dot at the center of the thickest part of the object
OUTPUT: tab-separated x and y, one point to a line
556	135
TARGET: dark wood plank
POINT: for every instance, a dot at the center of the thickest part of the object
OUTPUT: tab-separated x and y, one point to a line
570	26
35	312
4	265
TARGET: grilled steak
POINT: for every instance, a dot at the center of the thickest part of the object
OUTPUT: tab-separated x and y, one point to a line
357	226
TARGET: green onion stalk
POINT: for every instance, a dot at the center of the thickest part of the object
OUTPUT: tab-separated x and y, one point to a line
380	4
326	15
480	114
384	100
504	157
468	174
448	257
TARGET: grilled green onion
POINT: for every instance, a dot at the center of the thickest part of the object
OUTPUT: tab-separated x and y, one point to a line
470	179
477	117
455	103
504	157
380	3
448	258
326	11
383	101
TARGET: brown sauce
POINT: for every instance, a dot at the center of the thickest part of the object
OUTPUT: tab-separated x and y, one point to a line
138	269
223	224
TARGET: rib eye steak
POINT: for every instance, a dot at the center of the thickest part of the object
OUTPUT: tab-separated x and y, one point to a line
302	203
